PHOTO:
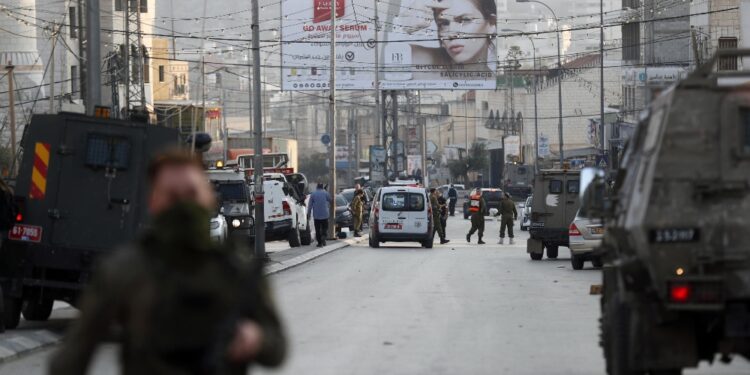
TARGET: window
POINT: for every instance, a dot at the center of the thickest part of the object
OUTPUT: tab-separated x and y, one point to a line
745	124
235	191
574	186
74	82
106	151
341	201
631	40
403	201
73	22
728	62
146	66
161	73
118	5
555	187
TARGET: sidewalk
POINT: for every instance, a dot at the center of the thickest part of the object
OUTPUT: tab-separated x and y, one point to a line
33	336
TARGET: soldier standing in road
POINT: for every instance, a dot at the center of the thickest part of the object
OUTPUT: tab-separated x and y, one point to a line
436	222
184	303
358	209
452	198
443	204
508	215
477	208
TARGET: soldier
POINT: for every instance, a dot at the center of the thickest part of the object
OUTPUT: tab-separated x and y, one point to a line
436	222
477	208
358	209
184	304
443	210
507	214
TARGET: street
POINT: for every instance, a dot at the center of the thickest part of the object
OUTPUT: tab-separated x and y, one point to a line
456	309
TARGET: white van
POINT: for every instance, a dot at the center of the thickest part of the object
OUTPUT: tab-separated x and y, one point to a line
401	214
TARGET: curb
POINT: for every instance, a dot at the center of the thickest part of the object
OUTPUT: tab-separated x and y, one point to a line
304	258
22	343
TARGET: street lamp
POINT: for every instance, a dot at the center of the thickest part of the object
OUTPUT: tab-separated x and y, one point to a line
536	115
559	78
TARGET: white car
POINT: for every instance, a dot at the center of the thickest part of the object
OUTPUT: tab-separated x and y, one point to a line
285	214
219	228
401	214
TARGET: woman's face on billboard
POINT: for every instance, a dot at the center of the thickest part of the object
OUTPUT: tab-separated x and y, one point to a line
464	31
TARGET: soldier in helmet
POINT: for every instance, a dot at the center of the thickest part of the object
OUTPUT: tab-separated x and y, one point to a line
508	214
477	209
185	304
436	222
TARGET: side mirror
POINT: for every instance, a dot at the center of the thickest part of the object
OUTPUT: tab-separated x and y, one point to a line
588	175
596	197
221	210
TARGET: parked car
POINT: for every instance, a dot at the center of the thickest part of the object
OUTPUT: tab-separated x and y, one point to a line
218	225
585	234
526	213
344	218
285	214
401	214
492	198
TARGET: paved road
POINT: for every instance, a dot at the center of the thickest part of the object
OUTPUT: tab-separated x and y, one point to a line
455	309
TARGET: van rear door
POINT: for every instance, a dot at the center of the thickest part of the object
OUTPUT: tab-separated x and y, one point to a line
273	208
403	211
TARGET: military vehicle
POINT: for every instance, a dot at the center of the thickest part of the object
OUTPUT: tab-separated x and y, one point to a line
676	282
556	200
81	190
518	180
236	203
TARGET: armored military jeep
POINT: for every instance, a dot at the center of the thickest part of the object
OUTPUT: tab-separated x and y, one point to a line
556	200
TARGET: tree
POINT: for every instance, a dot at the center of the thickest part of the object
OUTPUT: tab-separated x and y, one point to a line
315	167
477	160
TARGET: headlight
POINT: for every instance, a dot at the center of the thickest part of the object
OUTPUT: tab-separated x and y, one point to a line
236	223
214	224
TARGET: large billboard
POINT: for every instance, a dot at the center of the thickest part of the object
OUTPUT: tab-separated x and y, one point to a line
423	44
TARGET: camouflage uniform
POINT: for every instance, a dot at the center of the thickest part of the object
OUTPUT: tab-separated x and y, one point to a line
177	297
358	209
508	215
436	222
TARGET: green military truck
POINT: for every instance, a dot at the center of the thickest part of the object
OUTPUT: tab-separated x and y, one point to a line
81	190
556	200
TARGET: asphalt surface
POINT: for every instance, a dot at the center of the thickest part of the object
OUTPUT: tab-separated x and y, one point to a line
456	309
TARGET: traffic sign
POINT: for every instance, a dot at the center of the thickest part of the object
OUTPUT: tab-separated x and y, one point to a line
325	139
602	161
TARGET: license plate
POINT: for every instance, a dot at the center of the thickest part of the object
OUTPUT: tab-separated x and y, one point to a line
28	233
393	226
597	230
674	235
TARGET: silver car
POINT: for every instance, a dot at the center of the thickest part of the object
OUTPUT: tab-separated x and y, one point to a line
585	235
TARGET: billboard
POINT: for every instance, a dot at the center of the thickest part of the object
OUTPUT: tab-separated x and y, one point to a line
423	44
377	163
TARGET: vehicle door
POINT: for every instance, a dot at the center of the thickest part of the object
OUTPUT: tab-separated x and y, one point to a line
571	198
549	209
404	212
98	187
273	208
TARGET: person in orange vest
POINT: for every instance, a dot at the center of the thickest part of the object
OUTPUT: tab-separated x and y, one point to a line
477	209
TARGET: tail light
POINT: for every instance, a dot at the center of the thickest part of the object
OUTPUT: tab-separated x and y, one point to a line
20	205
679	293
287	209
573	230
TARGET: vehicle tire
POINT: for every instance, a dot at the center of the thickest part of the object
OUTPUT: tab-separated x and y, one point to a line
374	242
597	262
37	310
615	335
11	312
305	237
293	237
536	256
552	252
576	262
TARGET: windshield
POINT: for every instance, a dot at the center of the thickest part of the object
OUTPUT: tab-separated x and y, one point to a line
348	195
231	191
403	201
492	195
341	201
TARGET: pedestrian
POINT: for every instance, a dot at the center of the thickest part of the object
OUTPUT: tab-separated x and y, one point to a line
320	202
443	210
358	210
452	197
508	214
181	302
436	222
477	209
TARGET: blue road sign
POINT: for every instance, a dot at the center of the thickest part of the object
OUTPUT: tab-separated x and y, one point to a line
325	139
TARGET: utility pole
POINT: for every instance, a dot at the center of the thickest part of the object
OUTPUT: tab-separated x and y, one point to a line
601	77
378	109
55	33
260	226
81	55
12	115
332	125
93	57
423	134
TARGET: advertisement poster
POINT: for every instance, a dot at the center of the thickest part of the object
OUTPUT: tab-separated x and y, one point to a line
377	163
423	44
306	48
